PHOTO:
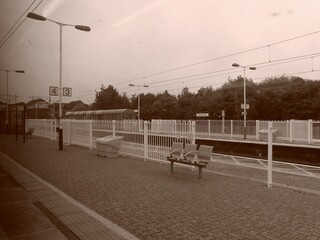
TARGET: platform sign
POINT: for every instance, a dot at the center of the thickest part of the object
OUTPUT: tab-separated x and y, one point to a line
67	92
242	106
53	91
202	114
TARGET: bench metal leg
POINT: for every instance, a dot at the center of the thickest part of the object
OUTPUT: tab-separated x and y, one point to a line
172	166
200	172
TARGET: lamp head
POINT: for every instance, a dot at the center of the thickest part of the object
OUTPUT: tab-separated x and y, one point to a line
252	68
36	16
83	28
20	71
235	65
131	85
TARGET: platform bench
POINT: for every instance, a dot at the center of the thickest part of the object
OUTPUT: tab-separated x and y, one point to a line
190	156
30	132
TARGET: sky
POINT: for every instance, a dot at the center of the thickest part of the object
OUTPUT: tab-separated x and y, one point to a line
165	44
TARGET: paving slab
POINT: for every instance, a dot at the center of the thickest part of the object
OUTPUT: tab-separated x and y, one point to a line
22	219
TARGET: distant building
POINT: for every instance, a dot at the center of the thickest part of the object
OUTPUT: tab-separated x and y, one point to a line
76	106
40	109
37	109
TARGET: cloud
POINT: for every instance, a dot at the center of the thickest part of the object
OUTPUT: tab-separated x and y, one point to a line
139	13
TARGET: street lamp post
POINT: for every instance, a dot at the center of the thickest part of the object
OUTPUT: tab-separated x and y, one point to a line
244	97
7	111
133	85
79	27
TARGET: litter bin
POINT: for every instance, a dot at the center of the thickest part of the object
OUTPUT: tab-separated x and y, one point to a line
108	146
263	134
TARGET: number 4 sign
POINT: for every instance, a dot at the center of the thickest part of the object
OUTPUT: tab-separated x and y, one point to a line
67	92
53	91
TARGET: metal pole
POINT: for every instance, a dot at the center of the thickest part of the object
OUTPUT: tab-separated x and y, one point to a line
269	154
60	93
17	123
24	123
245	105
7	113
139	104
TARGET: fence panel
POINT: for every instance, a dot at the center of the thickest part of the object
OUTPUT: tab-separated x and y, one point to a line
251	129
315	131
161	135
77	132
282	129
42	127
300	130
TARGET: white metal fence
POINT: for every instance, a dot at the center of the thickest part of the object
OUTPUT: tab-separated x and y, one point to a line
43	127
153	139
305	131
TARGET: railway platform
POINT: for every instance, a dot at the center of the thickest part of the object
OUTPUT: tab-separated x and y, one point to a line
129	198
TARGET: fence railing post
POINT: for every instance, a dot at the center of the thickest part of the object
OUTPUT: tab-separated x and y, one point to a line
145	140
113	127
193	131
209	130
51	127
309	130
90	135
270	135
54	134
231	129
53	130
291	130
257	129
69	132
223	125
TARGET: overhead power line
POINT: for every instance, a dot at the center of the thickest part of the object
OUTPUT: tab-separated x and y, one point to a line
222	57
231	70
223	72
4	39
217	73
17	21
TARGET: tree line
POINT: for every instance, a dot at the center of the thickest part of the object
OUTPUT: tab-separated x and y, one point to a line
279	98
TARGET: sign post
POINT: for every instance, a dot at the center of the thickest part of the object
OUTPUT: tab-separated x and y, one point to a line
66	92
244	113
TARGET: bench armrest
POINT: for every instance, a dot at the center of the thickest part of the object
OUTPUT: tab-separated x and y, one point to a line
173	151
191	158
